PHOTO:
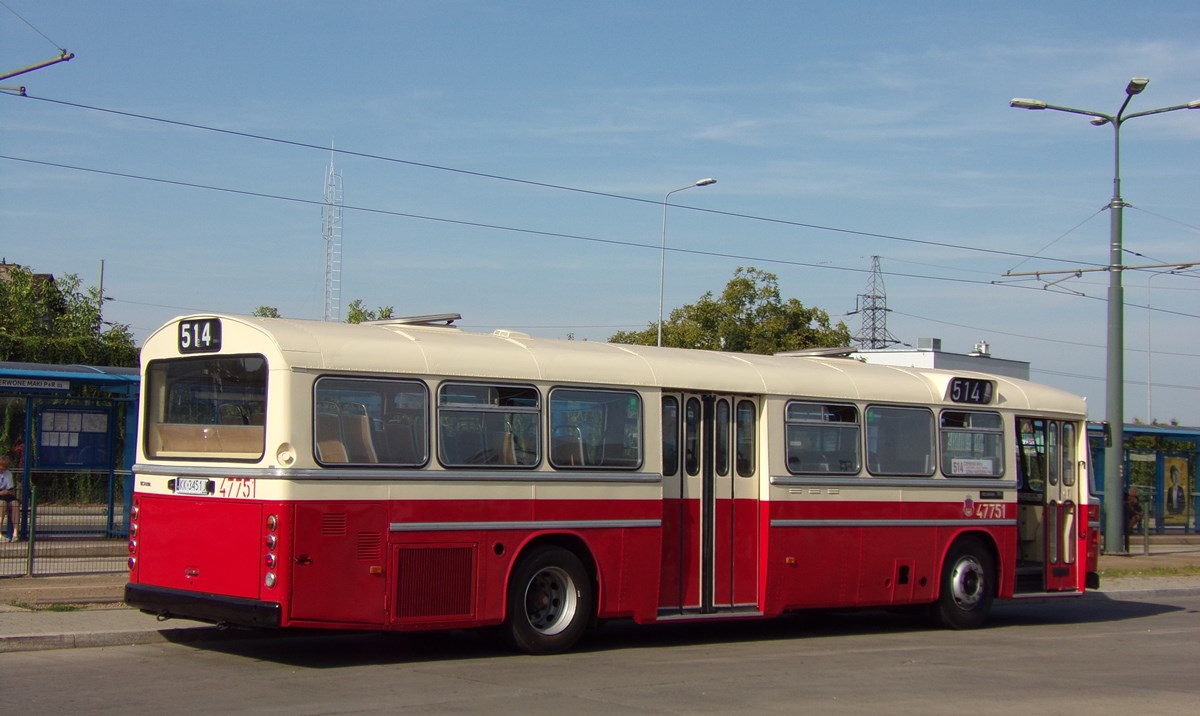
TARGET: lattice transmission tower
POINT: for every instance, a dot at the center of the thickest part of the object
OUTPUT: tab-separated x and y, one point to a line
873	306
331	214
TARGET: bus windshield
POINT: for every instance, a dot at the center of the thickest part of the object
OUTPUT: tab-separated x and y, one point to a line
210	407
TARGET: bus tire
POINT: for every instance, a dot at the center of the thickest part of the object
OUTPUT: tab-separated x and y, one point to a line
550	601
968	586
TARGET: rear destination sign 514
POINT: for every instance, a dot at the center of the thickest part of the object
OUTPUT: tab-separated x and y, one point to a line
202	335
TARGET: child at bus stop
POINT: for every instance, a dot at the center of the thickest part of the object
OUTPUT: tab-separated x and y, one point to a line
8	497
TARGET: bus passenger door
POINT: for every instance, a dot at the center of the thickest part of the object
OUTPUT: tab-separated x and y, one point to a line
705	568
1048	509
1063	486
339	563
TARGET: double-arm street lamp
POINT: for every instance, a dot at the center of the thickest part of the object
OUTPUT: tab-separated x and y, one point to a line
662	252
1114	523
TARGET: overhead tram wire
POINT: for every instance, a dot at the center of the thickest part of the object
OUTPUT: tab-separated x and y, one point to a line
512	229
33	27
1080	376
1187	273
993	331
1164	218
1056	240
545	185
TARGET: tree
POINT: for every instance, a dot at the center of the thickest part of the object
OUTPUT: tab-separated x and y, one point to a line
748	317
356	312
266	312
43	320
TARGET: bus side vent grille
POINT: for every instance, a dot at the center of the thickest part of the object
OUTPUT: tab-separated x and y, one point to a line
333	524
370	546
434	582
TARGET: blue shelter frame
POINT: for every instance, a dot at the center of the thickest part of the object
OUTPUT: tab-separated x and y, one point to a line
1167	481
72	416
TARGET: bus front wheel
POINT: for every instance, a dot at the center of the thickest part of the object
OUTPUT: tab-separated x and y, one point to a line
968	586
550	601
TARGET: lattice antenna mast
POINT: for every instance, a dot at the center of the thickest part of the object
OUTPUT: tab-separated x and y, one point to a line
873	306
331	214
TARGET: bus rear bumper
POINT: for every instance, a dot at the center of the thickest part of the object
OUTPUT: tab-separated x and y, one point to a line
214	608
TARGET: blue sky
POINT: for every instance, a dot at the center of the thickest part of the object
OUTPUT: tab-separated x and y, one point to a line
836	131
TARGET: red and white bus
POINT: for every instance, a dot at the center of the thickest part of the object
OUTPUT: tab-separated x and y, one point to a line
407	475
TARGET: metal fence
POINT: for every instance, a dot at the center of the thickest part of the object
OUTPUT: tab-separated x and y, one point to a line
71	523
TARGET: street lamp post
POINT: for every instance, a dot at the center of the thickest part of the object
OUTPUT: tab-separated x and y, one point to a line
662	251
1114	458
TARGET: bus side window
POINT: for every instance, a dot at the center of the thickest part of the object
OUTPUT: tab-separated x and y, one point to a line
1032	453
972	443
593	428
481	425
670	436
370	421
900	441
746	437
822	438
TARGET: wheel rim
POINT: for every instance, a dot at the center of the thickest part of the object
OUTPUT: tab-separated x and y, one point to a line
967	583
550	600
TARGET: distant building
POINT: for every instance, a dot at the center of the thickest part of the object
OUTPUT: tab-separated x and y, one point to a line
929	354
38	278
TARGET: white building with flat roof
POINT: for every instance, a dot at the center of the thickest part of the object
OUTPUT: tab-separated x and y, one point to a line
929	354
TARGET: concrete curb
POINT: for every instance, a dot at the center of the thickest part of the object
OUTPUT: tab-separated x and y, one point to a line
46	642
1126	595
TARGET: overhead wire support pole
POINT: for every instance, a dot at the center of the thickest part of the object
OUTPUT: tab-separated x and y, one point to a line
1114	407
64	57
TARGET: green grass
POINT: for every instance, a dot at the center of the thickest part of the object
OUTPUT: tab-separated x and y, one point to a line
1184	571
59	608
46	607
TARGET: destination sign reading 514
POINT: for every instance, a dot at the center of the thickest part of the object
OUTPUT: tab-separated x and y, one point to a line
971	390
202	335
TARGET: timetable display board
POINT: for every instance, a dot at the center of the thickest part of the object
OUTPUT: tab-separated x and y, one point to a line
73	437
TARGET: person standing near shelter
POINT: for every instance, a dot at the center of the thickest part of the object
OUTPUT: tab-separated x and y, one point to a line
1133	511
18	452
8	497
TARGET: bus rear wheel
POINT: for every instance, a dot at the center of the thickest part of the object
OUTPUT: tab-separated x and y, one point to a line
968	586
550	601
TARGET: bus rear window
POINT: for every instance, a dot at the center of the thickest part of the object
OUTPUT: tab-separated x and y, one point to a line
210	407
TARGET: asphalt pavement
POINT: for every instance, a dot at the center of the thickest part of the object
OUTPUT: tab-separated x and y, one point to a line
73	611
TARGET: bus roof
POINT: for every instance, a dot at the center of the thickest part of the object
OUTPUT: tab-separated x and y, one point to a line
387	348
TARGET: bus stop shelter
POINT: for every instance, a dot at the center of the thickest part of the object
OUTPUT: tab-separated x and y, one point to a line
1160	467
71	432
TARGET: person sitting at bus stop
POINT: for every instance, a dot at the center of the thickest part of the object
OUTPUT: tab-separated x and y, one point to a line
1133	511
8	496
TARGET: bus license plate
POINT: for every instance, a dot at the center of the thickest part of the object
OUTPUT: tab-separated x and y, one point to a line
193	486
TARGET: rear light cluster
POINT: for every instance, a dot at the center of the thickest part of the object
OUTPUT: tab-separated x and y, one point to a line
272	541
133	536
